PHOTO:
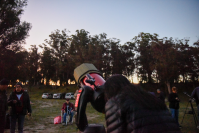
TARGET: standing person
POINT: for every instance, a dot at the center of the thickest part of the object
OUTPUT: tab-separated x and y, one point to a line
174	104
68	109
20	103
161	95
3	103
130	109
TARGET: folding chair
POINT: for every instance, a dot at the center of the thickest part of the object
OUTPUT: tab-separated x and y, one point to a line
67	117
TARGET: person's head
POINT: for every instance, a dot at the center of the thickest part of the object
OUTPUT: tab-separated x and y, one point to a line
118	85
67	100
158	91
18	86
114	85
4	84
174	90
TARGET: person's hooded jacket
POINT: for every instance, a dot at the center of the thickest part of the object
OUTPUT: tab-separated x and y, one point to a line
134	118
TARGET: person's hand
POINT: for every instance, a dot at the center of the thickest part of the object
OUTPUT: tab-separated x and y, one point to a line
177	98
14	101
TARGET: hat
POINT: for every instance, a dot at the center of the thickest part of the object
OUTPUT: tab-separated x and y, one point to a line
67	99
19	83
158	89
4	82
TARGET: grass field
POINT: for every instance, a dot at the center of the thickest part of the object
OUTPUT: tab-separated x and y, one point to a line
45	110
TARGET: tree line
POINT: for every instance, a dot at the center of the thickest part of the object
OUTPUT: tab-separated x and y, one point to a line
153	59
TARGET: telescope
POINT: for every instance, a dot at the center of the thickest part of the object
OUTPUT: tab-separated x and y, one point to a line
187	94
90	81
190	100
192	111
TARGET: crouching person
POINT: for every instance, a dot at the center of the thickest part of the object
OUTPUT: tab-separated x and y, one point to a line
68	109
20	103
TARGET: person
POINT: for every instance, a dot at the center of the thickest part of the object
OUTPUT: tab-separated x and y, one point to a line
161	95
68	109
20	103
131	109
195	95
174	104
3	103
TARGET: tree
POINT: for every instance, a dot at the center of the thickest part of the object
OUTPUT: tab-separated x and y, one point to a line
79	47
144	57
128	58
165	55
195	57
47	64
59	44
13	32
34	57
101	54
185	60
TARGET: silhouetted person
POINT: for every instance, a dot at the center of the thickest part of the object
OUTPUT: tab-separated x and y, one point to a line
3	103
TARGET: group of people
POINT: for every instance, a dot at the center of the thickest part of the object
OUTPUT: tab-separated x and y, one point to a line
20	106
174	100
131	109
128	108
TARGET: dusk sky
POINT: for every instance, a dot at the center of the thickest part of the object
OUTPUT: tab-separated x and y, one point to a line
121	19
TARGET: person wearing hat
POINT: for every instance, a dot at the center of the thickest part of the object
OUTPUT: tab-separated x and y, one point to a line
3	103
68	109
20	103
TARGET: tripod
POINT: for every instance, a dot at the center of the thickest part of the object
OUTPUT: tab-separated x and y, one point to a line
193	112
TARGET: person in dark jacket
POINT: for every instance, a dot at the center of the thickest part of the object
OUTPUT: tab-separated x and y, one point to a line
174	104
3	103
161	95
129	109
68	109
20	104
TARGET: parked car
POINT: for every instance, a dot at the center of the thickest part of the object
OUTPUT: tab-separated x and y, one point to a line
57	95
47	95
69	95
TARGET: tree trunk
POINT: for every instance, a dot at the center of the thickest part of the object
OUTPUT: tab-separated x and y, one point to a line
168	87
149	78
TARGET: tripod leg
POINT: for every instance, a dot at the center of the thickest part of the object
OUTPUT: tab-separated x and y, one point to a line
185	112
194	114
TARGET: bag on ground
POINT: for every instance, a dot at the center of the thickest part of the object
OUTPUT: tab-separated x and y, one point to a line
57	120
